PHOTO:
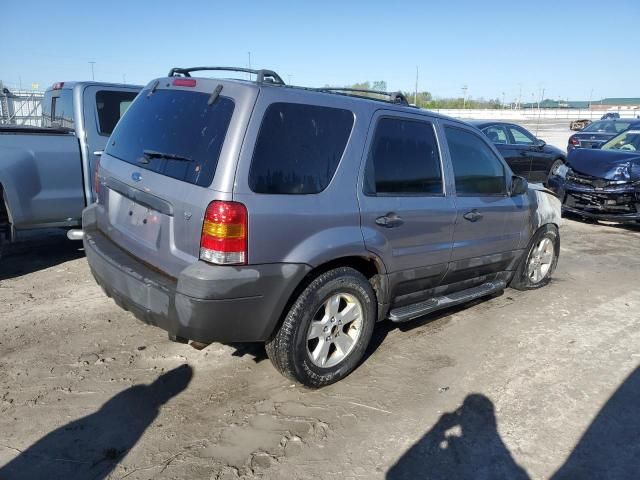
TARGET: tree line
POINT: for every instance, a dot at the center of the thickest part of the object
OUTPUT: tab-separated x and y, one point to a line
426	100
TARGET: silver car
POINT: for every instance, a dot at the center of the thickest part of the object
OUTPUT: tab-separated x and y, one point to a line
252	211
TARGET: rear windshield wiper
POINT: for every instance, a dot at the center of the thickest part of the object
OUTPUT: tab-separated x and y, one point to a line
149	154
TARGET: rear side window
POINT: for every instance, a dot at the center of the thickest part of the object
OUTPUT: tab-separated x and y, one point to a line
110	106
173	123
403	159
298	148
496	134
476	168
62	115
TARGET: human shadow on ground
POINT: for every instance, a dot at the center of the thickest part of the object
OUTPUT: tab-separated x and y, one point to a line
37	251
610	447
92	446
465	444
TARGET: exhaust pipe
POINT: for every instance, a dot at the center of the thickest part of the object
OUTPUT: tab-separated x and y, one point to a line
75	234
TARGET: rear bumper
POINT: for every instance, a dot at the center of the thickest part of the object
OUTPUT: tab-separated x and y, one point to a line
206	303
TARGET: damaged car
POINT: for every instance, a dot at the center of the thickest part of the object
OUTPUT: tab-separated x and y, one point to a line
602	184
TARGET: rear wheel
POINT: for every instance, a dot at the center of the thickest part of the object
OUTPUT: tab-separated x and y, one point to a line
537	267
327	329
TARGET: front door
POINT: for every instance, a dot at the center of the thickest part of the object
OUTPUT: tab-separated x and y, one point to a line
489	222
407	216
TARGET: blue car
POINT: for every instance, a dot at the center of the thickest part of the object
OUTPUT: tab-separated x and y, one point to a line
604	183
597	133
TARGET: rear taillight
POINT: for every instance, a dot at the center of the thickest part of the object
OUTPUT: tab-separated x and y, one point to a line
224	234
96	178
574	141
58	85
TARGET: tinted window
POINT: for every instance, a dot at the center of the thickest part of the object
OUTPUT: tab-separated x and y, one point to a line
298	148
403	159
111	106
520	137
178	123
63	109
477	170
607	126
496	134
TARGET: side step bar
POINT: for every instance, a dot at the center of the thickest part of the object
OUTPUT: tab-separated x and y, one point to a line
415	310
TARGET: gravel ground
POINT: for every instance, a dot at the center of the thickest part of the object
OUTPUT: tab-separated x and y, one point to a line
534	384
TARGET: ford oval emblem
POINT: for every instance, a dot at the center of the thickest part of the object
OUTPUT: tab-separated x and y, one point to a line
136	177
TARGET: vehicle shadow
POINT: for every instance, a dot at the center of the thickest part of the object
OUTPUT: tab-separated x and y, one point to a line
463	444
92	446
37	251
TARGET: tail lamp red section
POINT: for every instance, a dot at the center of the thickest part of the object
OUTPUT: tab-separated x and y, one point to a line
224	233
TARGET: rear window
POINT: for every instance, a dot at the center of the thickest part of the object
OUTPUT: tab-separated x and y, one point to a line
607	126
298	148
176	123
111	105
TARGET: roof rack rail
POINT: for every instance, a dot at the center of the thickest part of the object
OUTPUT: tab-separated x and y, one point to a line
394	97
263	76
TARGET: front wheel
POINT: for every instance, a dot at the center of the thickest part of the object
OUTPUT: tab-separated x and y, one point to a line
540	261
554	169
327	329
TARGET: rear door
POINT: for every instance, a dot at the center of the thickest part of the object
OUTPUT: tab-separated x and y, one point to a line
488	222
407	217
102	107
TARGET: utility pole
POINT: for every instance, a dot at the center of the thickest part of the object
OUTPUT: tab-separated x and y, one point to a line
93	77
502	99
519	96
464	96
415	98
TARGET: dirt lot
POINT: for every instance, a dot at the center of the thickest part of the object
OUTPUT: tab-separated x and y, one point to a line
532	384
519	385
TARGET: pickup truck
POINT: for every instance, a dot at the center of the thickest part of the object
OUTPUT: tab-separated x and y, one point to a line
46	172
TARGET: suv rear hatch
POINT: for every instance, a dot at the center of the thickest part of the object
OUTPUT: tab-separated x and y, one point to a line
171	154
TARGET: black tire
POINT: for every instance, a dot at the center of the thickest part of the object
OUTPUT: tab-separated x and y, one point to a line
288	350
554	166
522	280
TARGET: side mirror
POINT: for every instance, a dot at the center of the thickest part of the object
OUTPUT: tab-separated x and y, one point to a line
519	186
540	143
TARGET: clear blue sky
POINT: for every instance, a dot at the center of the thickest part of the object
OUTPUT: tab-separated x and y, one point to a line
491	46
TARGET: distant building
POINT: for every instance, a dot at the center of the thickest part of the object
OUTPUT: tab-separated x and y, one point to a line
619	104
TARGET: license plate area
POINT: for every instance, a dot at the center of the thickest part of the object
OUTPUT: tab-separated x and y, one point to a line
134	220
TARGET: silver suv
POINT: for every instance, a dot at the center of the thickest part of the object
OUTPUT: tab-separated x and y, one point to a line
251	211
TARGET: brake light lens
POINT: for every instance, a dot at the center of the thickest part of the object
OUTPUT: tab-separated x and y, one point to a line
58	85
184	82
96	179
224	234
574	141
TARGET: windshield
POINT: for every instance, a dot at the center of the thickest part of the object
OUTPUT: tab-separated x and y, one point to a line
607	126
629	141
161	130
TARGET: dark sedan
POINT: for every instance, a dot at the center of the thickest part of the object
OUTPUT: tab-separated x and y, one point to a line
597	133
604	183
527	155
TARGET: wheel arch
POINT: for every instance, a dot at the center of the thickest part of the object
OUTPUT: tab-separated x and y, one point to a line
370	266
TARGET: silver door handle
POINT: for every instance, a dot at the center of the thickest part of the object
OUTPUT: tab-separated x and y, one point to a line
473	216
390	220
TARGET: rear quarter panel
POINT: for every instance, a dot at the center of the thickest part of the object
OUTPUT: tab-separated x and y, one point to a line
311	229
